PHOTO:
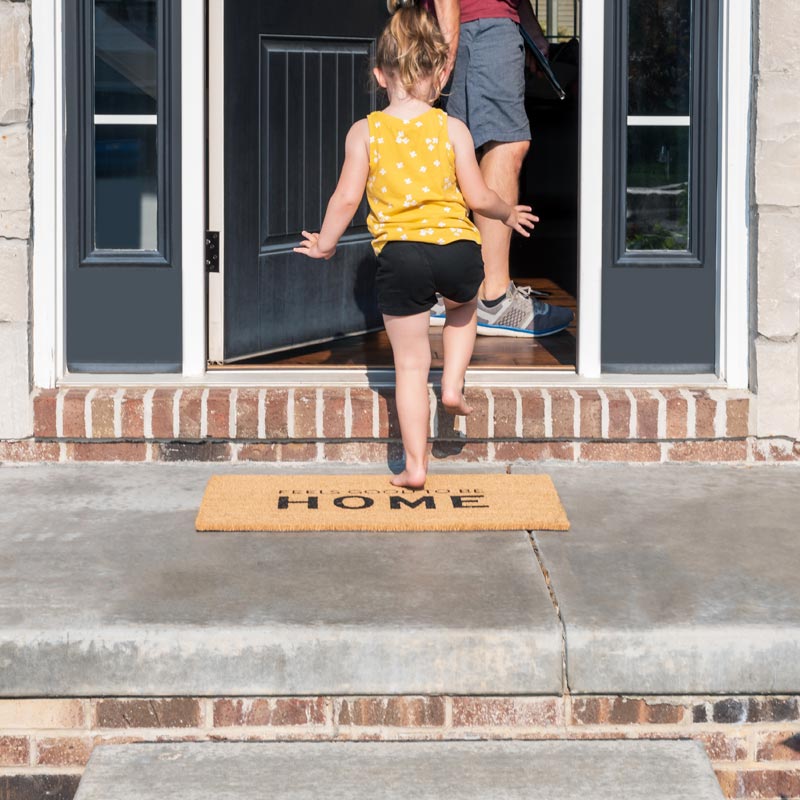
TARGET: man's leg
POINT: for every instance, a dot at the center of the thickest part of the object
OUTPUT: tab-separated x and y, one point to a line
500	164
489	97
503	311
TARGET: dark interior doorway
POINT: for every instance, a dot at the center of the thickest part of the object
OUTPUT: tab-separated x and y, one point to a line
550	176
548	261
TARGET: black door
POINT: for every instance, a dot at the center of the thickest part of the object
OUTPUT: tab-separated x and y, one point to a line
660	251
297	75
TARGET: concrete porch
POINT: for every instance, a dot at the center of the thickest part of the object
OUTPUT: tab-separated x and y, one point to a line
673	579
669	611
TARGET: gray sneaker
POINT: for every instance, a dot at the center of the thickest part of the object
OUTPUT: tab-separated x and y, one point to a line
520	314
438	314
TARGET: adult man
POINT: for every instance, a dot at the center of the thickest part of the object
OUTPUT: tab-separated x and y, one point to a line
488	95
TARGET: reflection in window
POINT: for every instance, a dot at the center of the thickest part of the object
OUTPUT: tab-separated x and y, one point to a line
126	124
657	213
126	79
126	174
560	19
659	57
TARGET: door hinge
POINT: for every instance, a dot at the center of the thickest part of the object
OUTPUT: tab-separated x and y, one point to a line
212	251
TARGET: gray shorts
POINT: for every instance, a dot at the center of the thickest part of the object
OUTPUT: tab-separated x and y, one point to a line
488	87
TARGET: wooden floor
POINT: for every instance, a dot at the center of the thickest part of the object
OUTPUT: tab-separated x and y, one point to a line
557	352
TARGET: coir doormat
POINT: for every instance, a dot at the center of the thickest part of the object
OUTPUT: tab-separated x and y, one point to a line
371	503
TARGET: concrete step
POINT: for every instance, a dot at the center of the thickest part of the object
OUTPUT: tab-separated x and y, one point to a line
107	589
552	770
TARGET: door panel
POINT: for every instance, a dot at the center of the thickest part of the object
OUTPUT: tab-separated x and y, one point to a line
123	186
661	182
296	78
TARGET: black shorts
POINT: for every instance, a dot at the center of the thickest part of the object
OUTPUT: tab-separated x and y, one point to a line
411	273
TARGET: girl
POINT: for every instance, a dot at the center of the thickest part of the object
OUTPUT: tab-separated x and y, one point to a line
421	176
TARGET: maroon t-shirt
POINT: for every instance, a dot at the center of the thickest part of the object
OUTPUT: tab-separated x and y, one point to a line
489	9
483	9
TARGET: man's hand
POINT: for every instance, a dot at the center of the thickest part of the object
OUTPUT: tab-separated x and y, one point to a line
310	247
531	24
448	14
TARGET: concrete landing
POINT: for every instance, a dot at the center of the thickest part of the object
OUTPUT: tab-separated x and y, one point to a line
601	770
106	589
679	579
673	580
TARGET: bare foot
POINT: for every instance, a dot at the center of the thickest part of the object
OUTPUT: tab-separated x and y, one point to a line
455	403
410	479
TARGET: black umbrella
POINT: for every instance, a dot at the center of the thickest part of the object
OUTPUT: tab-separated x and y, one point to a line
541	58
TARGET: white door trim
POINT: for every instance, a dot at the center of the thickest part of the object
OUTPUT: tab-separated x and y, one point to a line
216	174
193	196
590	234
48	193
733	293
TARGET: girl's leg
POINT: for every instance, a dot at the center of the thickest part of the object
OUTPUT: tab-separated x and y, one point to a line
458	336
412	362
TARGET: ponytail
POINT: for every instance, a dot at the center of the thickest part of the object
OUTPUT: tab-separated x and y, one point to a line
411	48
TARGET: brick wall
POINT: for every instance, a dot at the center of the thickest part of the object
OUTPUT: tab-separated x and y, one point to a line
752	742
352	424
15	217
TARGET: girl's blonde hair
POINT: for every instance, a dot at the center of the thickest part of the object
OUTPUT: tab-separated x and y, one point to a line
411	48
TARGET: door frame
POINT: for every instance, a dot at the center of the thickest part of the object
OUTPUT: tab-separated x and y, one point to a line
199	110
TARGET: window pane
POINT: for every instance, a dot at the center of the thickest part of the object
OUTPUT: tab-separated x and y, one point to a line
126	187
126	73
657	213
559	19
659	57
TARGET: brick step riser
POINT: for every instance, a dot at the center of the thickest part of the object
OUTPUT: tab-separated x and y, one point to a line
359	424
753	742
361	413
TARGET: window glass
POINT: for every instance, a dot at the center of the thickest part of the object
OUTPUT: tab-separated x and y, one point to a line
126	187
657	208
659	57
126	72
126	125
560	19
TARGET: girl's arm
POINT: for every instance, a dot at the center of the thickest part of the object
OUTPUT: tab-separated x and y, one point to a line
478	196
346	199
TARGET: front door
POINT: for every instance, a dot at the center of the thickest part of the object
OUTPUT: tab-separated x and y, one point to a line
297	75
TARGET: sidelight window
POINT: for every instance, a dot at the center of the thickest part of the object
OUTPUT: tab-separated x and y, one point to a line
661	172
123	178
126	170
661	144
126	125
658	192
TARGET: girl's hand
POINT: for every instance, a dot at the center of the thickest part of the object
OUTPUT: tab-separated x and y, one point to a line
310	247
521	218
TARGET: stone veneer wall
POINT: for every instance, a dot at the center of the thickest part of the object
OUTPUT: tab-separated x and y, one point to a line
15	218
776	228
753	742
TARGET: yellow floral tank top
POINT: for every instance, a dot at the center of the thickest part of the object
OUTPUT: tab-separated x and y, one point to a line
412	191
